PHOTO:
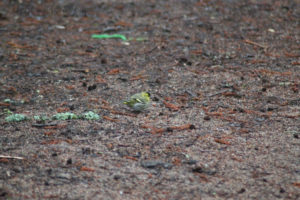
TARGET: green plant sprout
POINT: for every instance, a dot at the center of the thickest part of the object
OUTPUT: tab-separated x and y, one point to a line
16	118
90	116
65	116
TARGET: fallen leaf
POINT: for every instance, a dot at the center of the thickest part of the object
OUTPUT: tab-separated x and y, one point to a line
60	110
222	141
99	79
171	106
114	71
131	158
3	160
176	161
48	133
110	119
87	169
4	104
297	184
138	77
183	127
70	87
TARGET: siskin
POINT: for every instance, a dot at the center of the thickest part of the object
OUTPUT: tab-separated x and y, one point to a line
138	102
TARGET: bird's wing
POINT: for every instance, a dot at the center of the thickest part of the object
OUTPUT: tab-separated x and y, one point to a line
137	100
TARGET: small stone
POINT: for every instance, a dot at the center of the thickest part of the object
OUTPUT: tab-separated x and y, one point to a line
54	155
60	27
282	190
17	169
72	107
156	164
4	193
169	129
117	177
204	170
191	162
49	171
271	30
207	118
260	119
69	161
192	126
242	191
92	87
64	176
155	99
103	61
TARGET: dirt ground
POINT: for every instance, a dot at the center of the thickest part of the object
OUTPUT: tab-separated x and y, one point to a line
224	78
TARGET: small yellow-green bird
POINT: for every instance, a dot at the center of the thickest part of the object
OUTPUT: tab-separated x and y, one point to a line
138	102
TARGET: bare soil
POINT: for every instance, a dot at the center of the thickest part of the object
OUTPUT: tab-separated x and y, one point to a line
224	78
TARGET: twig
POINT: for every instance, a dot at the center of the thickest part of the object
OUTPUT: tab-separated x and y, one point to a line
183	127
110	119
150	51
80	70
4	104
255	44
43	125
12	157
171	106
138	77
155	130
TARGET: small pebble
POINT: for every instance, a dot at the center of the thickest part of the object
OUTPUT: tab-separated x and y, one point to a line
92	87
69	161
207	118
155	164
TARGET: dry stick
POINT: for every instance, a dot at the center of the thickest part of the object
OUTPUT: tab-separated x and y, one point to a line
80	70
171	106
43	125
110	119
182	127
255	43
4	104
134	78
150	51
217	93
12	157
155	130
